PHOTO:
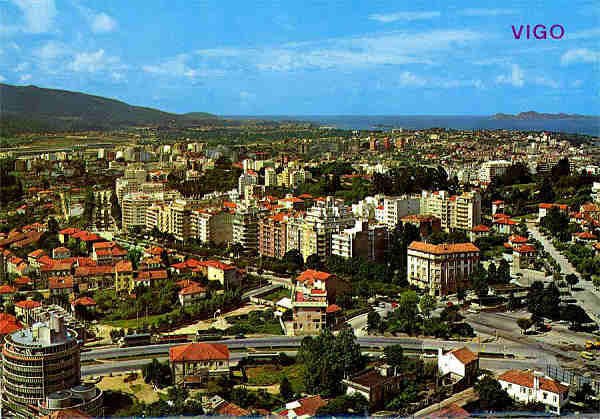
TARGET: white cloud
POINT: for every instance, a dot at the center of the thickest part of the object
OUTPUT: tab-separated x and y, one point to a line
99	22
24	78
103	23
92	62
51	50
543	81
39	14
24	66
486	12
579	55
178	67
516	77
2	78
408	79
403	16
117	76
390	48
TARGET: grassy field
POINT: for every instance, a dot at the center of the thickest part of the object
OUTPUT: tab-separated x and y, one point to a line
266	375
138	388
277	294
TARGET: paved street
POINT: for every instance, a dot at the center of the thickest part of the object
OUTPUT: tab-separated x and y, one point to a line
587	297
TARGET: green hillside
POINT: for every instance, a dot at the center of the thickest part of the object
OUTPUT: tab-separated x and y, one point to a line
40	108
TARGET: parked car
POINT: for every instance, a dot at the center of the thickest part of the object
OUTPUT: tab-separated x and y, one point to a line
587	355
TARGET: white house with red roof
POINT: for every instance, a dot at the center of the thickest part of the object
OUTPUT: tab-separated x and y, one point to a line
460	364
532	386
192	293
302	408
107	253
545	207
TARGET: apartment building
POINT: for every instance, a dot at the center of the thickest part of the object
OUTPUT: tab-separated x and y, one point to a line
134	207
272	235
492	169
41	373
245	227
441	269
211	225
364	240
396	207
270	177
247	178
462	212
325	218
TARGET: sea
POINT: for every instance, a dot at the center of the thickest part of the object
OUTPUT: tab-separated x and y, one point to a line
588	126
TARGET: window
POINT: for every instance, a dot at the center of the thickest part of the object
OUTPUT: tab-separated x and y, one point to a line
529	391
555	399
509	385
545	396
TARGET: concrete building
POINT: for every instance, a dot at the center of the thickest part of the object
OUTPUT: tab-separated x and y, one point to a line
441	269
245	227
272	235
246	179
492	169
533	386
459	364
270	177
211	225
378	385
364	240
41	372
456	212
396	207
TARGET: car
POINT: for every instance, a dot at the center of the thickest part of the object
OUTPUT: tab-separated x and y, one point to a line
240	336
449	303
587	355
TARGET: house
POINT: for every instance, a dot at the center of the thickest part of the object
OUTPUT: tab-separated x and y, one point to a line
302	408
194	363
150	263
216	405
86	302
61	253
584	237
544	208
33	257
479	231
378	385
100	276
186	266
107	253
532	386
123	276
523	256
227	275
505	225
60	285
65	235
7	292
191	294
23	283
459	364
24	310
497	206
146	278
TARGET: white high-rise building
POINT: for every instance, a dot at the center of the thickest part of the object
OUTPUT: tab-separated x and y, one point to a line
492	169
396	207
455	211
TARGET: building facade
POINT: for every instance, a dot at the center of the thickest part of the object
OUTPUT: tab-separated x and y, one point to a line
441	269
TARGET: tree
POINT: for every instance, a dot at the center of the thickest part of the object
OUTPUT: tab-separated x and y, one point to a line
574	315
492	395
285	389
427	304
461	294
524	323
373	321
596	282
294	257
572	280
394	356
314	262
157	373
355	405
503	272
52	226
479	279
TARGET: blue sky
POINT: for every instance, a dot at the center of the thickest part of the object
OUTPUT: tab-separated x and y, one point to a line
310	57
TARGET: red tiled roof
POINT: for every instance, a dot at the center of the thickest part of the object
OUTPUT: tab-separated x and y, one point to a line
525	379
7	289
442	249
311	275
451	411
69	231
217	265
152	275
192	289
23	280
28	304
481	229
549	206
199	352
83	301
124	266
586	235
37	253
83	271
231	409
517	239
154	250
60	282
308	406
333	308
9	324
498	202
526	248
505	221
464	355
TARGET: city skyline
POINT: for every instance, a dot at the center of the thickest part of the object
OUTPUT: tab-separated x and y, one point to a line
273	59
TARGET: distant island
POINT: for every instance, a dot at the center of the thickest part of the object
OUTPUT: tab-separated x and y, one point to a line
536	115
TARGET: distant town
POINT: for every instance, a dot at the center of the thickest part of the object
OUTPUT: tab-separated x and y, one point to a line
281	269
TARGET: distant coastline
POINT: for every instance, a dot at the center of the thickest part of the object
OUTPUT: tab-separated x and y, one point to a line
533	115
